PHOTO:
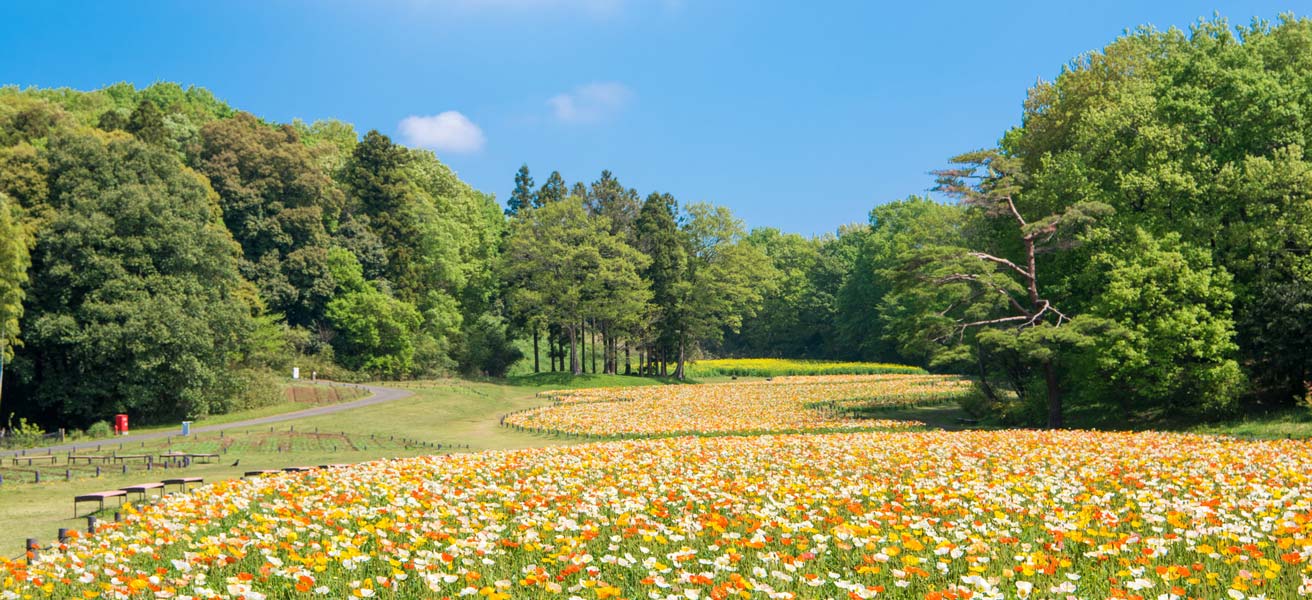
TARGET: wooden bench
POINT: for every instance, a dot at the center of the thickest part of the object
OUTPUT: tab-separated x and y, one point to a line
73	458
207	456
98	496
259	473
143	488
127	457
30	459
182	482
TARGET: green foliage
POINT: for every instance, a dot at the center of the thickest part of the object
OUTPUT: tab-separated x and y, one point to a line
487	349
147	123
657	235
523	196
565	267
100	429
14	259
376	332
137	304
278	205
1200	134
24	434
873	321
1172	349
797	313
553	190
725	277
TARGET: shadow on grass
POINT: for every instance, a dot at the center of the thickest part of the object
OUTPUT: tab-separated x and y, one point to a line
586	380
947	416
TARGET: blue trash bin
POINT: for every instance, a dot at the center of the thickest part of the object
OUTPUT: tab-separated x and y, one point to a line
186	428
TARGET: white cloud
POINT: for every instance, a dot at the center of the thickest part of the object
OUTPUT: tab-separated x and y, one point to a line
591	103
448	132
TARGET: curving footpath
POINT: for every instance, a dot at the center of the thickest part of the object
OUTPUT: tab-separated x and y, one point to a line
379	395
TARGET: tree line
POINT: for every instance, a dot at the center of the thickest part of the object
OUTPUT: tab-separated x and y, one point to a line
1137	249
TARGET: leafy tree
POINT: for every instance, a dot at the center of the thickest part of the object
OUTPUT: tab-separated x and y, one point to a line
14	261
1173	346
136	303
1199	133
873	322
377	333
113	120
657	235
147	123
331	141
277	202
793	321
487	349
523	196
724	281
566	267
608	198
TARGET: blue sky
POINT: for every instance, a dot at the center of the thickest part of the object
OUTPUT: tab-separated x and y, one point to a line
797	115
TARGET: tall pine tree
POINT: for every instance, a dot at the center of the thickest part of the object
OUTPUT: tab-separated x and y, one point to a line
523	197
554	190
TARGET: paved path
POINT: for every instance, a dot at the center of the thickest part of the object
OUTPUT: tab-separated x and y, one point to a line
378	396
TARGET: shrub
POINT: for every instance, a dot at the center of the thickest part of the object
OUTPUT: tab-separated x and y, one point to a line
100	429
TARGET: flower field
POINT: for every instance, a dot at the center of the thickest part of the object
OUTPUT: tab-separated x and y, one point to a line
777	367
783	405
933	515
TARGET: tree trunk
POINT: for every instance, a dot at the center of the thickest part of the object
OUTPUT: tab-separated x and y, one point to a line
573	349
1054	396
605	350
683	344
535	350
628	360
594	348
983	375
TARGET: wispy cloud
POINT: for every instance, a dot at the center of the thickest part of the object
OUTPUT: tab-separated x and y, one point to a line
591	103
448	132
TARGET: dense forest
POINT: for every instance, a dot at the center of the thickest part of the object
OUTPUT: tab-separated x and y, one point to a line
1138	248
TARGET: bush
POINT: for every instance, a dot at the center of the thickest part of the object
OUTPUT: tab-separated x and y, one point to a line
24	434
487	350
259	387
100	429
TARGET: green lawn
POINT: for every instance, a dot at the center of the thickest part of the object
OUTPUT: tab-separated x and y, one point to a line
1290	423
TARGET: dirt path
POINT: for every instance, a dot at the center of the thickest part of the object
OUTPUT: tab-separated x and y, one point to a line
377	395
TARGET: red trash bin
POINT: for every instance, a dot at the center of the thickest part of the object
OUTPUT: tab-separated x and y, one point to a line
121	424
